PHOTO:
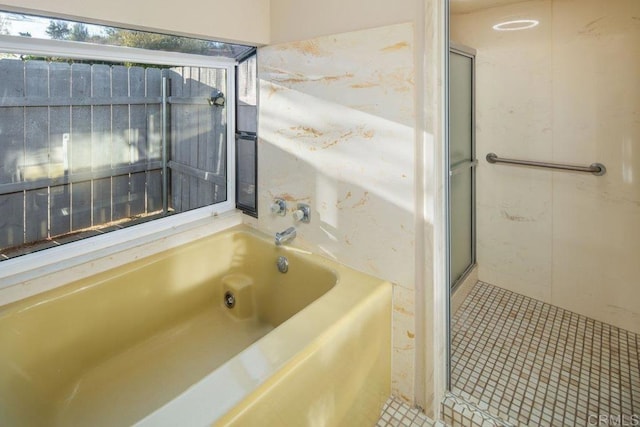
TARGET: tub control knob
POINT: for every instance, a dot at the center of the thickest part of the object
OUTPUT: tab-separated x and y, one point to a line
303	213
279	207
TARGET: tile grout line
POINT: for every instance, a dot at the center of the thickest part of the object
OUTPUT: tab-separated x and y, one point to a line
589	366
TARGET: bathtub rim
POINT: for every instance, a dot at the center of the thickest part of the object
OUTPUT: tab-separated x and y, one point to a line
32	274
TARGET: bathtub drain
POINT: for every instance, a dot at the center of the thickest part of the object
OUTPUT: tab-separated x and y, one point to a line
229	299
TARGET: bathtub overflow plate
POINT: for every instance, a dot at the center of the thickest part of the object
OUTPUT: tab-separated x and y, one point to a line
283	264
229	299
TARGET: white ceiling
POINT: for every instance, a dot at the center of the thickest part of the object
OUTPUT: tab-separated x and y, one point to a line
468	6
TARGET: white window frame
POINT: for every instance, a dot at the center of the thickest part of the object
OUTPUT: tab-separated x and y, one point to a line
29	267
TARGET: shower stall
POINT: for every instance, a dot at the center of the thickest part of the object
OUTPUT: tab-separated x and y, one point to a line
548	334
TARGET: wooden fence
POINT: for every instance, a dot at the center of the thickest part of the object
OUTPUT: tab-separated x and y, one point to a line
80	145
198	139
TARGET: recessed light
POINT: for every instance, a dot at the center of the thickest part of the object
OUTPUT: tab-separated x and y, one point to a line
520	24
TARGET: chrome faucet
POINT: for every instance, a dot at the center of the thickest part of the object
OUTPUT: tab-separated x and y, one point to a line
286	236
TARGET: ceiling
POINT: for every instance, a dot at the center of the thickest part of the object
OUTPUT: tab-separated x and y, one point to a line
468	6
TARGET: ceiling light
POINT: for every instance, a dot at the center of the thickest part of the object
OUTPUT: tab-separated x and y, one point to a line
520	24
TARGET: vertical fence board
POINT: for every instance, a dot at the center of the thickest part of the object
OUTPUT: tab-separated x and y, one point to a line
101	144
154	143
188	124
202	88
220	137
192	146
59	131
36	165
11	220
137	190
121	141
177	113
11	142
154	191
172	132
80	152
207	79
219	134
138	135
11	153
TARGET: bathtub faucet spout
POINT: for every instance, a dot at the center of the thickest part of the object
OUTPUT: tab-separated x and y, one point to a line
286	236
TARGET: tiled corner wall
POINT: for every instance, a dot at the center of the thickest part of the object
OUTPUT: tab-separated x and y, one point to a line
336	131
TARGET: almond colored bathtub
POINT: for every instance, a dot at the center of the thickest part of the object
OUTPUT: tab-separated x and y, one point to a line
152	342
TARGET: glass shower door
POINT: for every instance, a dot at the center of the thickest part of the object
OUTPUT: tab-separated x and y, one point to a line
462	164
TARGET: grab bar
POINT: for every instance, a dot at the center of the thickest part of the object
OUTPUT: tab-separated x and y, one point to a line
595	168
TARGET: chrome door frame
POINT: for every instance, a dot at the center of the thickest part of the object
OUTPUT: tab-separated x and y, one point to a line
471	54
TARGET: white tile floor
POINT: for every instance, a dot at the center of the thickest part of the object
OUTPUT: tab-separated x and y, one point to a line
520	362
535	364
396	413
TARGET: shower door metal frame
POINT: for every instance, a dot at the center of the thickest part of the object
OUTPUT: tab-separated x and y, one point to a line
471	53
472	164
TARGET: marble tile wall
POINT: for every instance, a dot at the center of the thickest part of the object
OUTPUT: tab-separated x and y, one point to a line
564	91
513	119
336	131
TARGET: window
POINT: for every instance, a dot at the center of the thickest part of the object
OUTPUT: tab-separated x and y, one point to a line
102	128
246	136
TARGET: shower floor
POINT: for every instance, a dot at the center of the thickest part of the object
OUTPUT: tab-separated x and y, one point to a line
531	363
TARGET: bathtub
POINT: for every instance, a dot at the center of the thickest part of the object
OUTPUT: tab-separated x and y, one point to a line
208	333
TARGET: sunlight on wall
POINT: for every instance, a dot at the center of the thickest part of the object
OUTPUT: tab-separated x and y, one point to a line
336	129
364	148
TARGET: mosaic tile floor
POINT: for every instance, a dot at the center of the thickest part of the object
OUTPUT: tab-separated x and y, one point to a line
532	363
396	413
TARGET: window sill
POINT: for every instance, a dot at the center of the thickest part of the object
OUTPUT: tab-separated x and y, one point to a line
41	271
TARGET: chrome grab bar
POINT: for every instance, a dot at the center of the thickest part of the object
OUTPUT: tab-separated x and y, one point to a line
595	168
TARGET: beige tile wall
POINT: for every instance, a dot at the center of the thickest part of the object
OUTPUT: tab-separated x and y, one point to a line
564	91
336	130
